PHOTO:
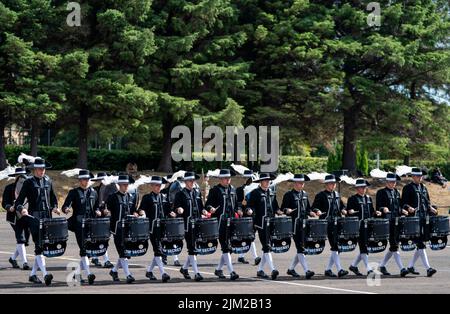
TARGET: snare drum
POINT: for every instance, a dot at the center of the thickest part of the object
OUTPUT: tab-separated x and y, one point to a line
438	232
347	233
377	234
280	233
408	230
315	235
206	235
53	236
171	235
241	234
135	235
96	233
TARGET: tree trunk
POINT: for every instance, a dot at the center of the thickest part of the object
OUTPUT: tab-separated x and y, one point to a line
165	164
2	141
406	160
349	149
35	130
83	133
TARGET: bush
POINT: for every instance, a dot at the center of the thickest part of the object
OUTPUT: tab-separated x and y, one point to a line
297	164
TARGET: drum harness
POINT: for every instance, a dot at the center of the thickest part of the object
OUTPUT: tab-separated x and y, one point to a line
228	210
395	205
298	197
158	206
422	206
267	231
123	204
193	211
333	206
364	203
89	205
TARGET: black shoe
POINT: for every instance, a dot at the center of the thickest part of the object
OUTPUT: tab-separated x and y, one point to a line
233	276
242	260
198	277
25	266
114	275
108	264
185	273
342	273
96	262
309	274
219	273
384	271
329	273
130	279
293	273
91	279
355	270
150	275
177	263
34	279
431	272
165	277
164	260
48	279
257	261
411	270
13	263
275	274
404	272
78	278
262	274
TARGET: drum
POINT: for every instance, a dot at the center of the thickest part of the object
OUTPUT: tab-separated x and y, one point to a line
408	231
242	234
96	234
377	234
438	230
135	235
280	229
171	235
206	235
53	236
315	234
347	229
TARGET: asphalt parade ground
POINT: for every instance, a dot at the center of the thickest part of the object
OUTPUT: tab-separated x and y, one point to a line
16	280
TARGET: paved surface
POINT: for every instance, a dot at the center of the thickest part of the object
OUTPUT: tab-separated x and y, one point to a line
16	281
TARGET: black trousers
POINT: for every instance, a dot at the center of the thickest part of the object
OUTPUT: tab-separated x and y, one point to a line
423	235
393	239
332	236
264	238
21	232
223	238
118	238
156	244
79	237
190	240
32	224
362	240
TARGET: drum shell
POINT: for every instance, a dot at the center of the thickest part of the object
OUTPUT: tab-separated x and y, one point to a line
280	228
347	227
316	230
136	229
242	229
439	226
408	228
377	229
206	229
172	229
96	229
54	230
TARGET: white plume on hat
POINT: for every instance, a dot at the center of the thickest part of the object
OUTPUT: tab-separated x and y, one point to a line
239	168
250	188
378	174
317	175
71	173
176	175
402	170
213	173
4	174
348	180
30	159
281	178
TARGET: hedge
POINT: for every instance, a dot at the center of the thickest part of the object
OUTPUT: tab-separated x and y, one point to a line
63	158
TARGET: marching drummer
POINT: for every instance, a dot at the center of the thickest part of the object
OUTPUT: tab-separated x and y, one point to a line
360	205
103	193
328	205
84	203
38	191
222	204
242	203
416	200
388	202
188	202
154	206
263	203
22	234
120	205
296	205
